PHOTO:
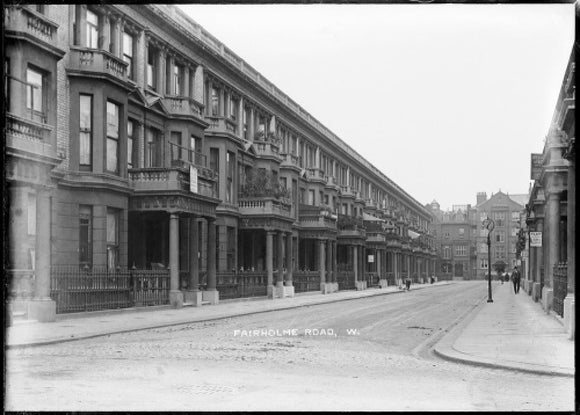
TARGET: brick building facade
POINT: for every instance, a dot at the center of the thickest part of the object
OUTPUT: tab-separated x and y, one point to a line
146	160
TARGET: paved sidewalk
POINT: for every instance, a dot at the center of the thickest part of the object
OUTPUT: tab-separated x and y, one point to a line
512	332
104	323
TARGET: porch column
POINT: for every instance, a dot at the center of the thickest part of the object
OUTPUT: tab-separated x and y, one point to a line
322	261
211	294
251	125
355	261
569	301
395	257
269	257
42	308
280	260
379	262
539	253
329	261
175	295
211	255
193	294
288	279
553	219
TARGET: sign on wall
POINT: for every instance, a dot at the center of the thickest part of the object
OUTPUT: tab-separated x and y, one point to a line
536	239
371	258
192	179
536	166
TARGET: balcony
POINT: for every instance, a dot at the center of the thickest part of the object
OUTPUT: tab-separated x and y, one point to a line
183	157
98	63
348	191
265	206
183	107
290	160
350	226
222	125
332	183
316	175
267	150
29	136
317	217
566	112
163	180
25	22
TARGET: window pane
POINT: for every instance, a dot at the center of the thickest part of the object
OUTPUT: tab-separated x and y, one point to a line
85	124
34	90
127	44
111	227
112	120
112	158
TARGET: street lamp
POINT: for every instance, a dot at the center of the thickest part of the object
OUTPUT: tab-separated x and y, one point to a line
488	224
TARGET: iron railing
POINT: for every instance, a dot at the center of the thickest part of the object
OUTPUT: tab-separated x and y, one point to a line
76	289
345	279
305	281
372	279
560	287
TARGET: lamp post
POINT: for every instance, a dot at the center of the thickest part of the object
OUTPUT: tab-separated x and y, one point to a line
489	224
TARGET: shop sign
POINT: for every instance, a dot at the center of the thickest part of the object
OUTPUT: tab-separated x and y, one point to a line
371	259
536	239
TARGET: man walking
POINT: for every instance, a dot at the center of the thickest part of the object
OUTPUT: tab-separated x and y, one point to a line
516	277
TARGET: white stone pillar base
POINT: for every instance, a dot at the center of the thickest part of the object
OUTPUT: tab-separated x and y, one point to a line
282	291
193	297
547	299
536	291
41	310
569	315
176	299
327	288
212	296
383	283
360	285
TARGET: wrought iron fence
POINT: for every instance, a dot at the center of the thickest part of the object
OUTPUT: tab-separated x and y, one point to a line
560	287
232	284
77	289
372	279
305	281
345	280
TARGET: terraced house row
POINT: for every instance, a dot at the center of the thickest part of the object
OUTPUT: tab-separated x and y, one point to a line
148	164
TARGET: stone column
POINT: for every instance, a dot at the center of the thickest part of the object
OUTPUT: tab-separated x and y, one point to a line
539	257
198	92
395	257
193	294
140	62
355	262
553	248
211	294
175	295
161	84
322	264
328	280
569	301
288	279
270	262
251	126
280	260
42	308
241	117
185	90
334	265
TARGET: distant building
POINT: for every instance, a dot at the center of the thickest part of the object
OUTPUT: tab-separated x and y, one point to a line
505	212
454	235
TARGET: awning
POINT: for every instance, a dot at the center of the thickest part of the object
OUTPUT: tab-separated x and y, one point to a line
413	235
371	218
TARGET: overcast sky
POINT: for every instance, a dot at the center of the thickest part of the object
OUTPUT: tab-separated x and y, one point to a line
446	100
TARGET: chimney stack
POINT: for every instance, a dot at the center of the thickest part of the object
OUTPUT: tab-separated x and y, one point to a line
481	197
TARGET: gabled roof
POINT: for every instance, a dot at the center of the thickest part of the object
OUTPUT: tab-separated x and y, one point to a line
500	198
520	199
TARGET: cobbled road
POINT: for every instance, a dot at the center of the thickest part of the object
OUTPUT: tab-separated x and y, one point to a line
365	354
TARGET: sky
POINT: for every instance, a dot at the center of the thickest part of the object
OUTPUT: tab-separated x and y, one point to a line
447	100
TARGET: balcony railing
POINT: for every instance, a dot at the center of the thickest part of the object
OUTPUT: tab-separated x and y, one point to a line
291	159
29	136
23	20
264	206
186	106
98	62
316	174
159	179
222	125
